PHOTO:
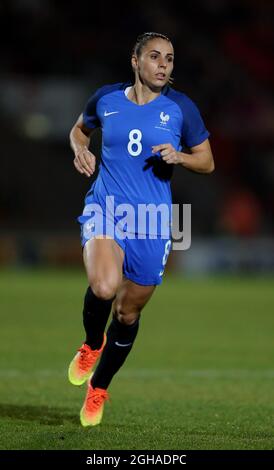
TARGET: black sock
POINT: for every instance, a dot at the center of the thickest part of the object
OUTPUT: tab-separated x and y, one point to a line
95	316
120	339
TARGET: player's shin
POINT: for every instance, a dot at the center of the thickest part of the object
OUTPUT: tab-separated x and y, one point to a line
95	316
120	339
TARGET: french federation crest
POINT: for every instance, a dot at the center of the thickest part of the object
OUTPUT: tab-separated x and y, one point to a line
164	118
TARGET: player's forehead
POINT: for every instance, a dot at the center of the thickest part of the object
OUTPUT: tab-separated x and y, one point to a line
160	45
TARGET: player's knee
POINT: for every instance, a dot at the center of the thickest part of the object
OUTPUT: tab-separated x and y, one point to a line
103	289
124	317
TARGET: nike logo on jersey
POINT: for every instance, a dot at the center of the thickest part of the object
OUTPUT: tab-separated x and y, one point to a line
112	112
123	345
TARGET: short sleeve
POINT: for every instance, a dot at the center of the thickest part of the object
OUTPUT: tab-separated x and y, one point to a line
90	117
194	131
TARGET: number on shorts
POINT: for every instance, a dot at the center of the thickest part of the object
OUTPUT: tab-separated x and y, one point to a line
167	250
164	260
135	137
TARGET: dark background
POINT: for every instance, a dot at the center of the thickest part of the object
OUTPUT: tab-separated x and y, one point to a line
54	54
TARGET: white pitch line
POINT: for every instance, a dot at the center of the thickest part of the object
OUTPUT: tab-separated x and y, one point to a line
204	373
154	373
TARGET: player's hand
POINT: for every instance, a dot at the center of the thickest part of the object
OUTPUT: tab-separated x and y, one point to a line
167	152
84	161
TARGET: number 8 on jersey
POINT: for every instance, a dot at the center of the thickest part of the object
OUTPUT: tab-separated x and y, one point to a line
135	137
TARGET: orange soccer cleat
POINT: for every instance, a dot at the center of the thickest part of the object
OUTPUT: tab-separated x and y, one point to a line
93	407
80	368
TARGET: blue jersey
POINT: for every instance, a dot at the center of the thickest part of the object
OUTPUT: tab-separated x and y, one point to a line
128	170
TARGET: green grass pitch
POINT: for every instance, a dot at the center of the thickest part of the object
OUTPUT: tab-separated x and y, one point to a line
200	375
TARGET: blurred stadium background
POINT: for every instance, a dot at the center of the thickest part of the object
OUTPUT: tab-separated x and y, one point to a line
53	56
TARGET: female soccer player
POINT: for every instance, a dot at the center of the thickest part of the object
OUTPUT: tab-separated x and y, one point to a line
144	127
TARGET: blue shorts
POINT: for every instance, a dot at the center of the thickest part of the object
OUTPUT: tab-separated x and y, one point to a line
145	258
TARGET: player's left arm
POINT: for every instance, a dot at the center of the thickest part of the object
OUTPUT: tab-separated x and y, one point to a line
199	160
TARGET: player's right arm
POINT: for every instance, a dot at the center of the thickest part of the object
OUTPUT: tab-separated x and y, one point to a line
84	161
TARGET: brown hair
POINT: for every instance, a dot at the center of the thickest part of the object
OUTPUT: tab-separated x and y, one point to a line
142	39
